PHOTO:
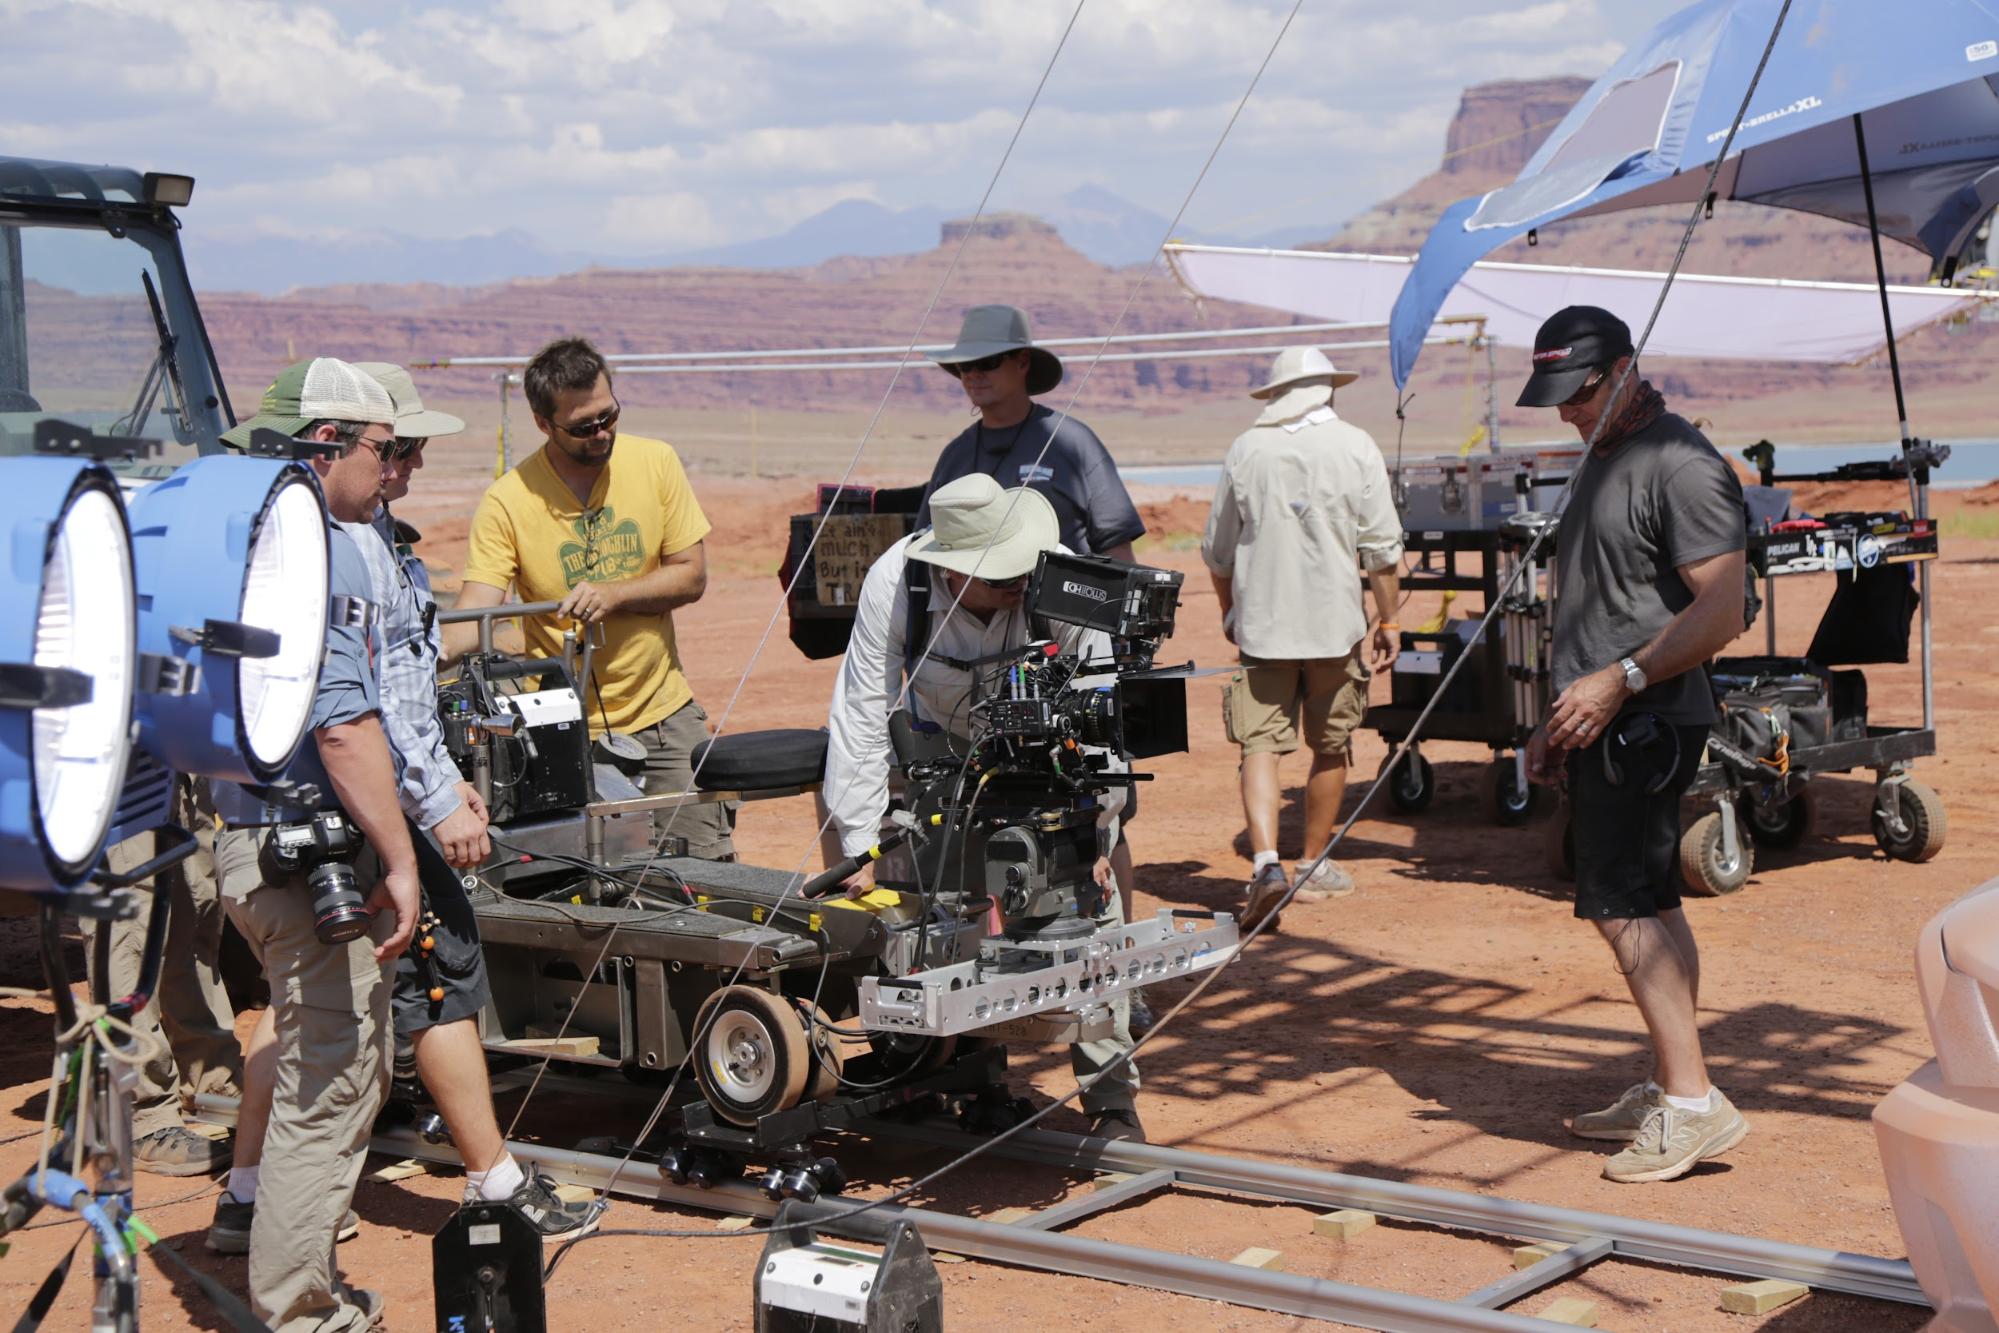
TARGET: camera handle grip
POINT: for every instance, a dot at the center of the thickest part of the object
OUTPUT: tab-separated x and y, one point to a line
828	880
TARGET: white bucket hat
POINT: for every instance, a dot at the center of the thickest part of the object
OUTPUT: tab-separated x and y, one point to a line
978	527
413	420
1301	379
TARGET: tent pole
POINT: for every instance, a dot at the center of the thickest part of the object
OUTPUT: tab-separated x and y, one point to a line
1919	474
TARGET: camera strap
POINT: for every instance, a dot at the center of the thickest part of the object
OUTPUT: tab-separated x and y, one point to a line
916	621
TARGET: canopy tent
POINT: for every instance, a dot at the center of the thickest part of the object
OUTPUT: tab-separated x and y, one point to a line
1912	86
1708	316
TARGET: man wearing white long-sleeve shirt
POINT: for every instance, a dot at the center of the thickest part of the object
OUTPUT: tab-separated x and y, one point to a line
1302	506
967	574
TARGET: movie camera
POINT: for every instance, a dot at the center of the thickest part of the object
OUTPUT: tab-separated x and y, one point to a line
797	1007
1016	817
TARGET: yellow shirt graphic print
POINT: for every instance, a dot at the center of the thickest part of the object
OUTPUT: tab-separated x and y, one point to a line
530	534
604	549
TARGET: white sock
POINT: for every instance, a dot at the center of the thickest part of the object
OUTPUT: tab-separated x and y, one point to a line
243	1184
1263	859
498	1181
1704	1102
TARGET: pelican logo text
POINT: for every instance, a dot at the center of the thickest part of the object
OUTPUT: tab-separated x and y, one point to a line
1085	590
1554	354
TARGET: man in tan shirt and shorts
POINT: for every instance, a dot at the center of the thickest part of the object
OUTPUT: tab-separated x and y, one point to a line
1302	507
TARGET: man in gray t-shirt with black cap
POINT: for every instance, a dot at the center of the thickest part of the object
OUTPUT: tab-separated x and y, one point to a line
1648	563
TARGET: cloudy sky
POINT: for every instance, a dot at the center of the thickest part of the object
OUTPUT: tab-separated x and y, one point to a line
615	127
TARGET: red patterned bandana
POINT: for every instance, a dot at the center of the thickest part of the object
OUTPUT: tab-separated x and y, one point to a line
1645	406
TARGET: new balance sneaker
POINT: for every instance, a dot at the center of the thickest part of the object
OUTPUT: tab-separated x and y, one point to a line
1266	891
1330	880
548	1212
1673	1142
1619	1122
229	1233
179	1151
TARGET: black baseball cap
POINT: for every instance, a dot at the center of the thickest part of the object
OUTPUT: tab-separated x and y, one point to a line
1572	342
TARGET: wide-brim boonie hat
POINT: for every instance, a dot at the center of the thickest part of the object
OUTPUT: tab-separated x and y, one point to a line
989	330
978	527
1297	365
413	420
322	389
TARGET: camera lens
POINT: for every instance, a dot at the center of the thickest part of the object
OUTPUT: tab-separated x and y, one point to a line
337	911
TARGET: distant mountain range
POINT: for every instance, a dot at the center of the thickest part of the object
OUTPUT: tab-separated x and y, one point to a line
1101	225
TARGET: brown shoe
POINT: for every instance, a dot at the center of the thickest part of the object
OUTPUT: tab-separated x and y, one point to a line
179	1151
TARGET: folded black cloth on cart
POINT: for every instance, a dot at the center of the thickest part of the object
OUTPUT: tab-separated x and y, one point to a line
1868	618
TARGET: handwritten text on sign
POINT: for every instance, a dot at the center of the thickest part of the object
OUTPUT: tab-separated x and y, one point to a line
849	545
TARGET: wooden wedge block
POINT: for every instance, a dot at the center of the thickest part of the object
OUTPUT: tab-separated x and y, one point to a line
1761	1297
560	1046
575	1193
1529	1255
1006	1216
1110	1178
1343	1225
1270	1261
1570	1310
735	1224
402	1170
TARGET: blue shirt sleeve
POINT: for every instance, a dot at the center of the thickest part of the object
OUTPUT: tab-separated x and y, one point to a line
348	688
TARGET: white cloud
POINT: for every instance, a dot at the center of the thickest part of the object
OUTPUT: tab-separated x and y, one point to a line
643	126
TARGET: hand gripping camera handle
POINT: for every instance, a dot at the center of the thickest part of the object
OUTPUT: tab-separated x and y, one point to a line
829	880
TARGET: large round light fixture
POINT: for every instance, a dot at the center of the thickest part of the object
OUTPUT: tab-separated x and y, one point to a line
233	604
67	666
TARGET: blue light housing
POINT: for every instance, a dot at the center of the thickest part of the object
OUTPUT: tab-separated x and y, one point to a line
233	581
67	666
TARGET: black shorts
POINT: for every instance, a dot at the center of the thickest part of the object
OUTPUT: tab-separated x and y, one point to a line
458	965
1627	840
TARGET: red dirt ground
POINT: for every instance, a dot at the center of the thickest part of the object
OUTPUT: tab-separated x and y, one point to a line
1435	1027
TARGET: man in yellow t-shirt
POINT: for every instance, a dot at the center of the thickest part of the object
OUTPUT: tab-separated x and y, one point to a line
607	525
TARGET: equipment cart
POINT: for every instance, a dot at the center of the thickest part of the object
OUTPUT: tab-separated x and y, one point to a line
1874	554
1470	521
1786	720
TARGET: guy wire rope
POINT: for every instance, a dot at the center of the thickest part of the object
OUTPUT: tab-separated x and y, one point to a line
1208	978
1123	313
722	722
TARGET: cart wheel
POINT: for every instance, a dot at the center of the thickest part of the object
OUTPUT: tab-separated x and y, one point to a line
753	1057
822	1052
1502	797
1412	784
1558	842
1923	821
1779	827
1710	871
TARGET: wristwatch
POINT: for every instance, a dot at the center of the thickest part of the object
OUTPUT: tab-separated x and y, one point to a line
1634	679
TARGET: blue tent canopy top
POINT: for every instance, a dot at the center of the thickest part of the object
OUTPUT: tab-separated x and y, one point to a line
1923	76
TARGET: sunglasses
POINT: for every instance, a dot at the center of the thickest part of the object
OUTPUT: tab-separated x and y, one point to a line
406	445
383	450
1588	391
592	428
985	365
1013	584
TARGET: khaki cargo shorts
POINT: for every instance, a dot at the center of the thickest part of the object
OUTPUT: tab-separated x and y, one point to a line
1269	699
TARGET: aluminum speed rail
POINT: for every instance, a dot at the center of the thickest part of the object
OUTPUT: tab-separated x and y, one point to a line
1036	1242
1600	1235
